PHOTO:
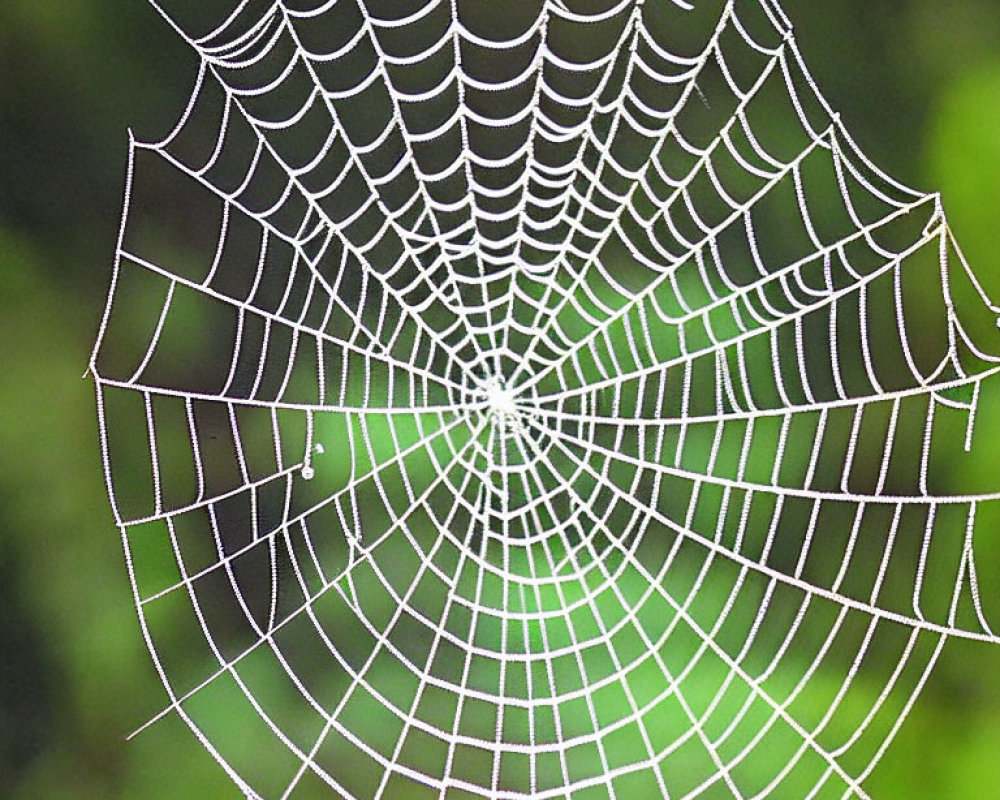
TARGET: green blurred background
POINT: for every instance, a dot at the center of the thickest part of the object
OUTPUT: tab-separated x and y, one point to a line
917	83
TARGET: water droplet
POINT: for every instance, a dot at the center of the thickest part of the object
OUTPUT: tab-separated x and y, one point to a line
308	473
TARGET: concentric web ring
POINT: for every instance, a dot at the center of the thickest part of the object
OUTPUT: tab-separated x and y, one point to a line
539	399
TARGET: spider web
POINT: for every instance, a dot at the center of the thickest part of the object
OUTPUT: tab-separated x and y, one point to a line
537	400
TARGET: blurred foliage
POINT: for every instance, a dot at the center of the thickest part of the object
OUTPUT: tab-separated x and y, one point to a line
917	82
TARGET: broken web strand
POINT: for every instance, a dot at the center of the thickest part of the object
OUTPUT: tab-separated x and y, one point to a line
558	415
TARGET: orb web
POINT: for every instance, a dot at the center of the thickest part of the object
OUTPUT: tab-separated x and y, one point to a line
546	401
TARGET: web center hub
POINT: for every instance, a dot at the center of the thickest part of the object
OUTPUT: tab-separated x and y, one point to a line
500	400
